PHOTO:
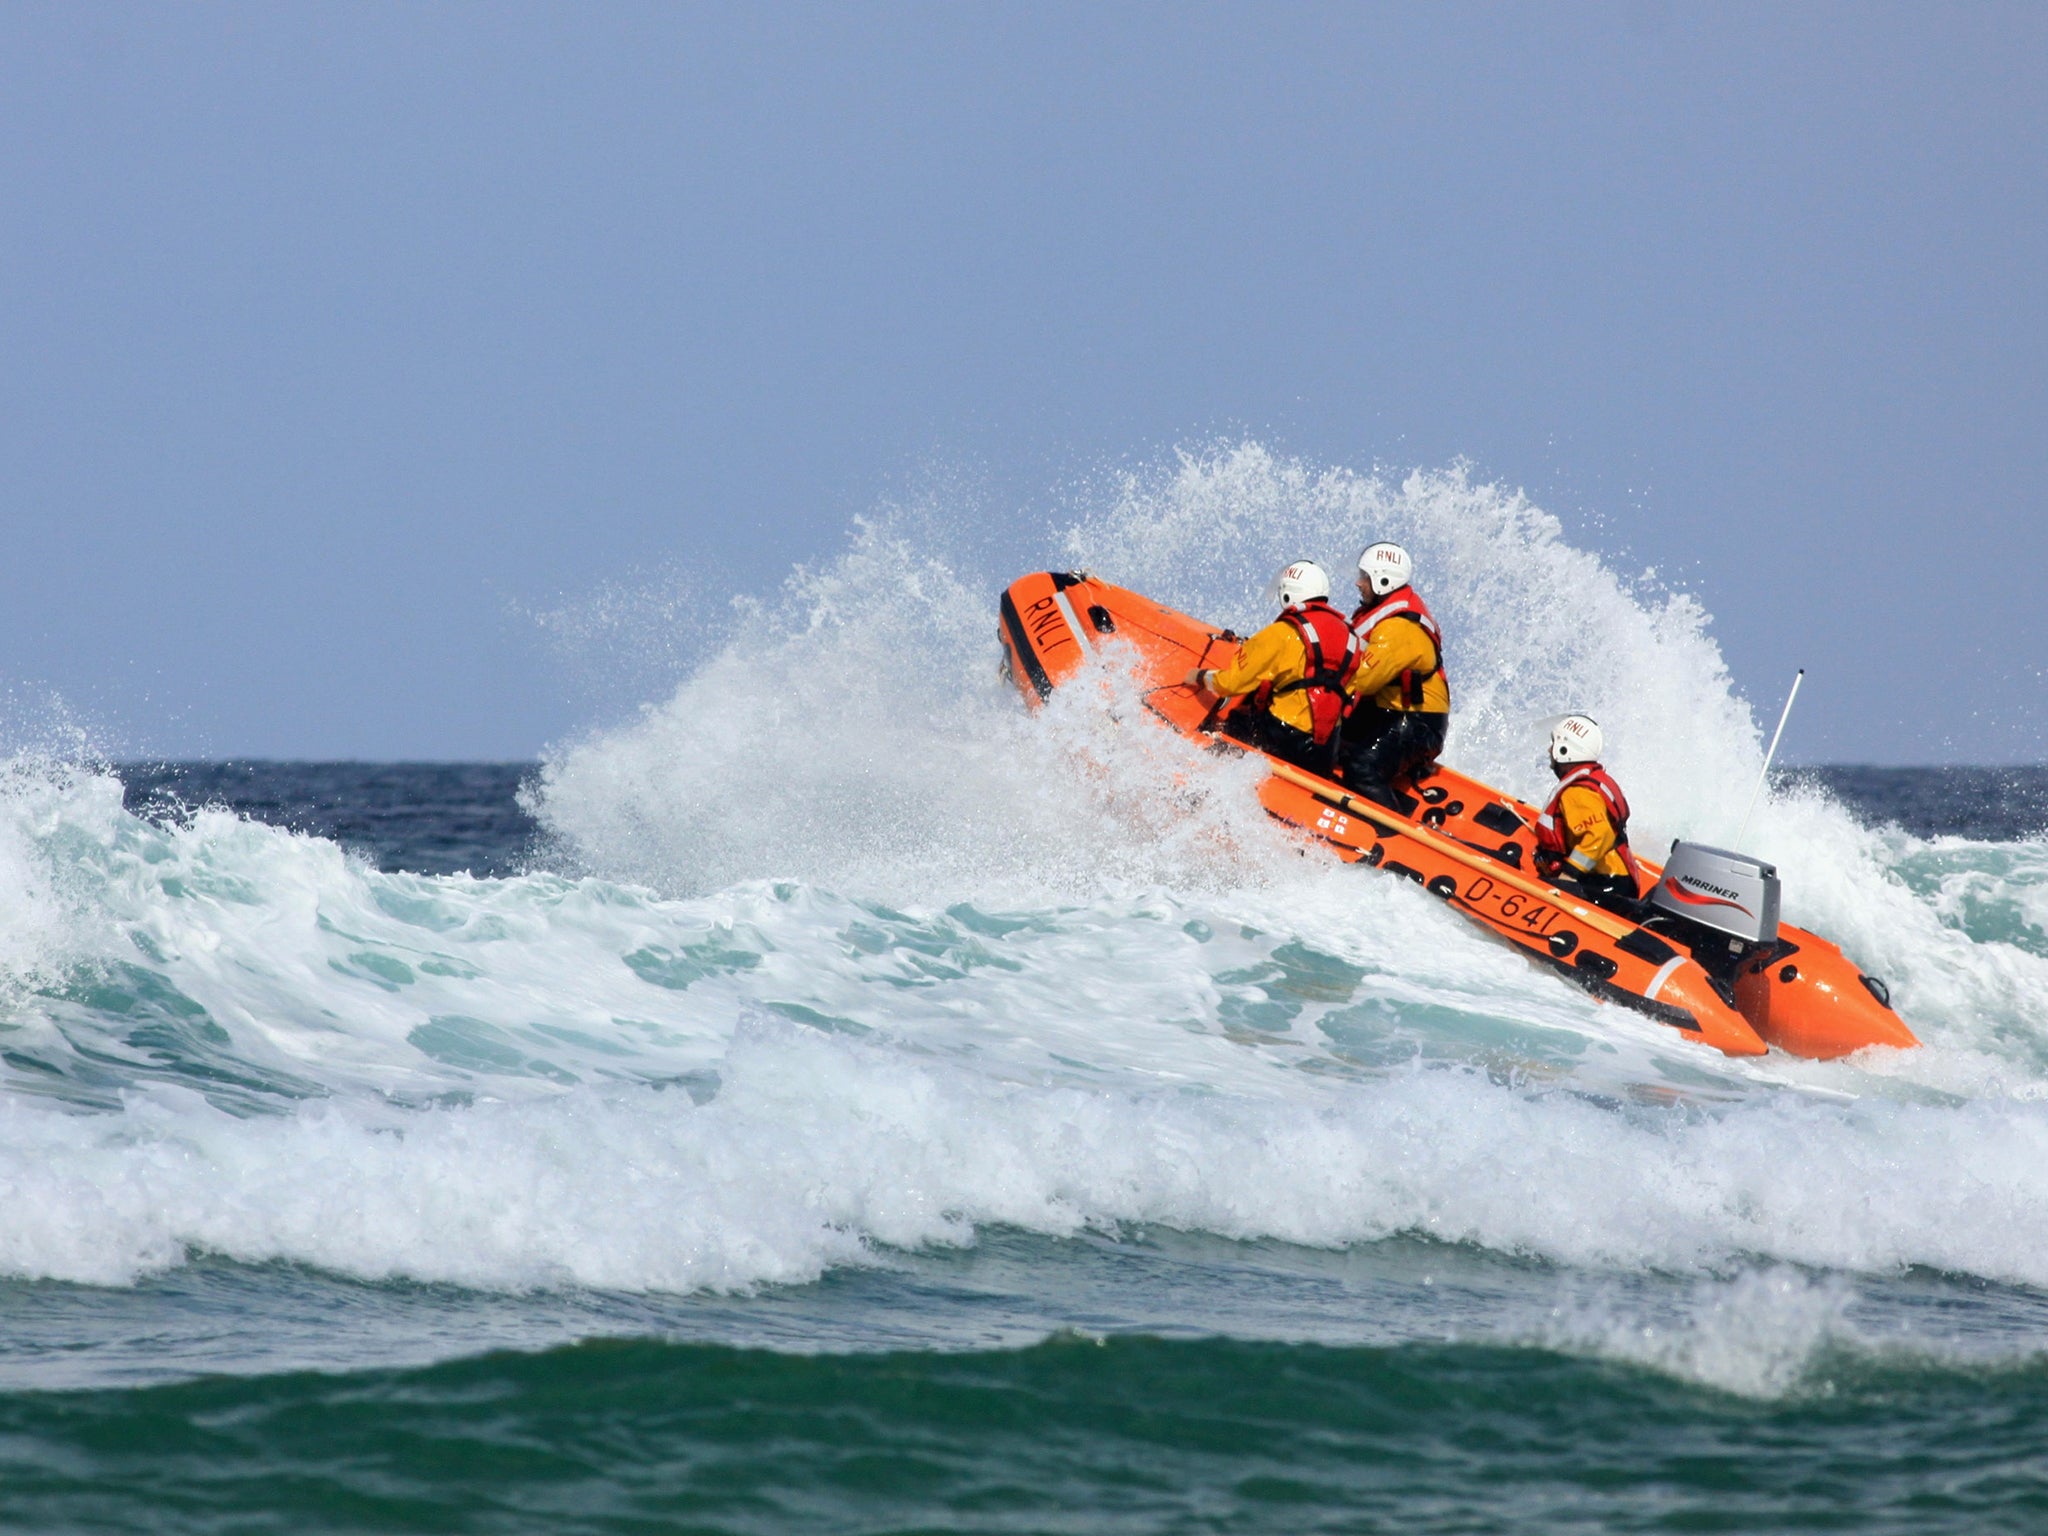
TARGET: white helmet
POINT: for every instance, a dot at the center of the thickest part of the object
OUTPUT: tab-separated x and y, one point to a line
1576	739
1298	583
1384	568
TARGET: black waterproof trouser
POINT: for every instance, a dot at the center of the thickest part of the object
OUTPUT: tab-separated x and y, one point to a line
1255	727
1617	893
1383	745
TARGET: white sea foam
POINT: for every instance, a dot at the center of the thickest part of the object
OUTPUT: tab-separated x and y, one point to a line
1760	1332
36	917
815	1149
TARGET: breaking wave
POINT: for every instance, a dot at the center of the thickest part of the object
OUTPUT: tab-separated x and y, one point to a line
837	952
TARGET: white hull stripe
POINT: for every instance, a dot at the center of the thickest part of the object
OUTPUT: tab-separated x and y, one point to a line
1663	975
1073	623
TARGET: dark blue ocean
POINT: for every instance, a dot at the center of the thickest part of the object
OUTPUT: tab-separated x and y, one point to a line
450	818
833	1098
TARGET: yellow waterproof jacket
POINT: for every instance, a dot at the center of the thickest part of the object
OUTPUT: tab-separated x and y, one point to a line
1589	832
1394	646
1274	655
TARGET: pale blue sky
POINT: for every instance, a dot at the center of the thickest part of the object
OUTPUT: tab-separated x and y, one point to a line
332	337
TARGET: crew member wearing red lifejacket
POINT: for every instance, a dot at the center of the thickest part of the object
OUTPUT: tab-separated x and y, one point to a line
1290	674
1401	700
1582	835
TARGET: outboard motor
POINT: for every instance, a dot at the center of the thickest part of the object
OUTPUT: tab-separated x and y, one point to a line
1727	893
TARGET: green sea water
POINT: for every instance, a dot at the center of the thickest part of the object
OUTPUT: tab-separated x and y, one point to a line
1071	1434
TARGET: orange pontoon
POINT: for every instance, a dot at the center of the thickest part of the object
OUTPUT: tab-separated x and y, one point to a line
1740	985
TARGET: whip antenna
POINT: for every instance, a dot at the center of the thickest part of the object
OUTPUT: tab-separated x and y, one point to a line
1797	677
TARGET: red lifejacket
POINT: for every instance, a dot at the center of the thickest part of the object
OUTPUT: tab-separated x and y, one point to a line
1550	829
1331	652
1402	603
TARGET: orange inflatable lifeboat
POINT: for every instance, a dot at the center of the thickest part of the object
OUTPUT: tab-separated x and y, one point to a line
1709	957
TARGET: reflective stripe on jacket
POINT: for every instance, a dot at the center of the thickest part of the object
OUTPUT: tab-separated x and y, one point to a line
1401	663
1586	824
1329	652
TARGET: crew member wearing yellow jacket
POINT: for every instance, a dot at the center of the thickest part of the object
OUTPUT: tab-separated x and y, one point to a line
1401	707
1290	674
1582	835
